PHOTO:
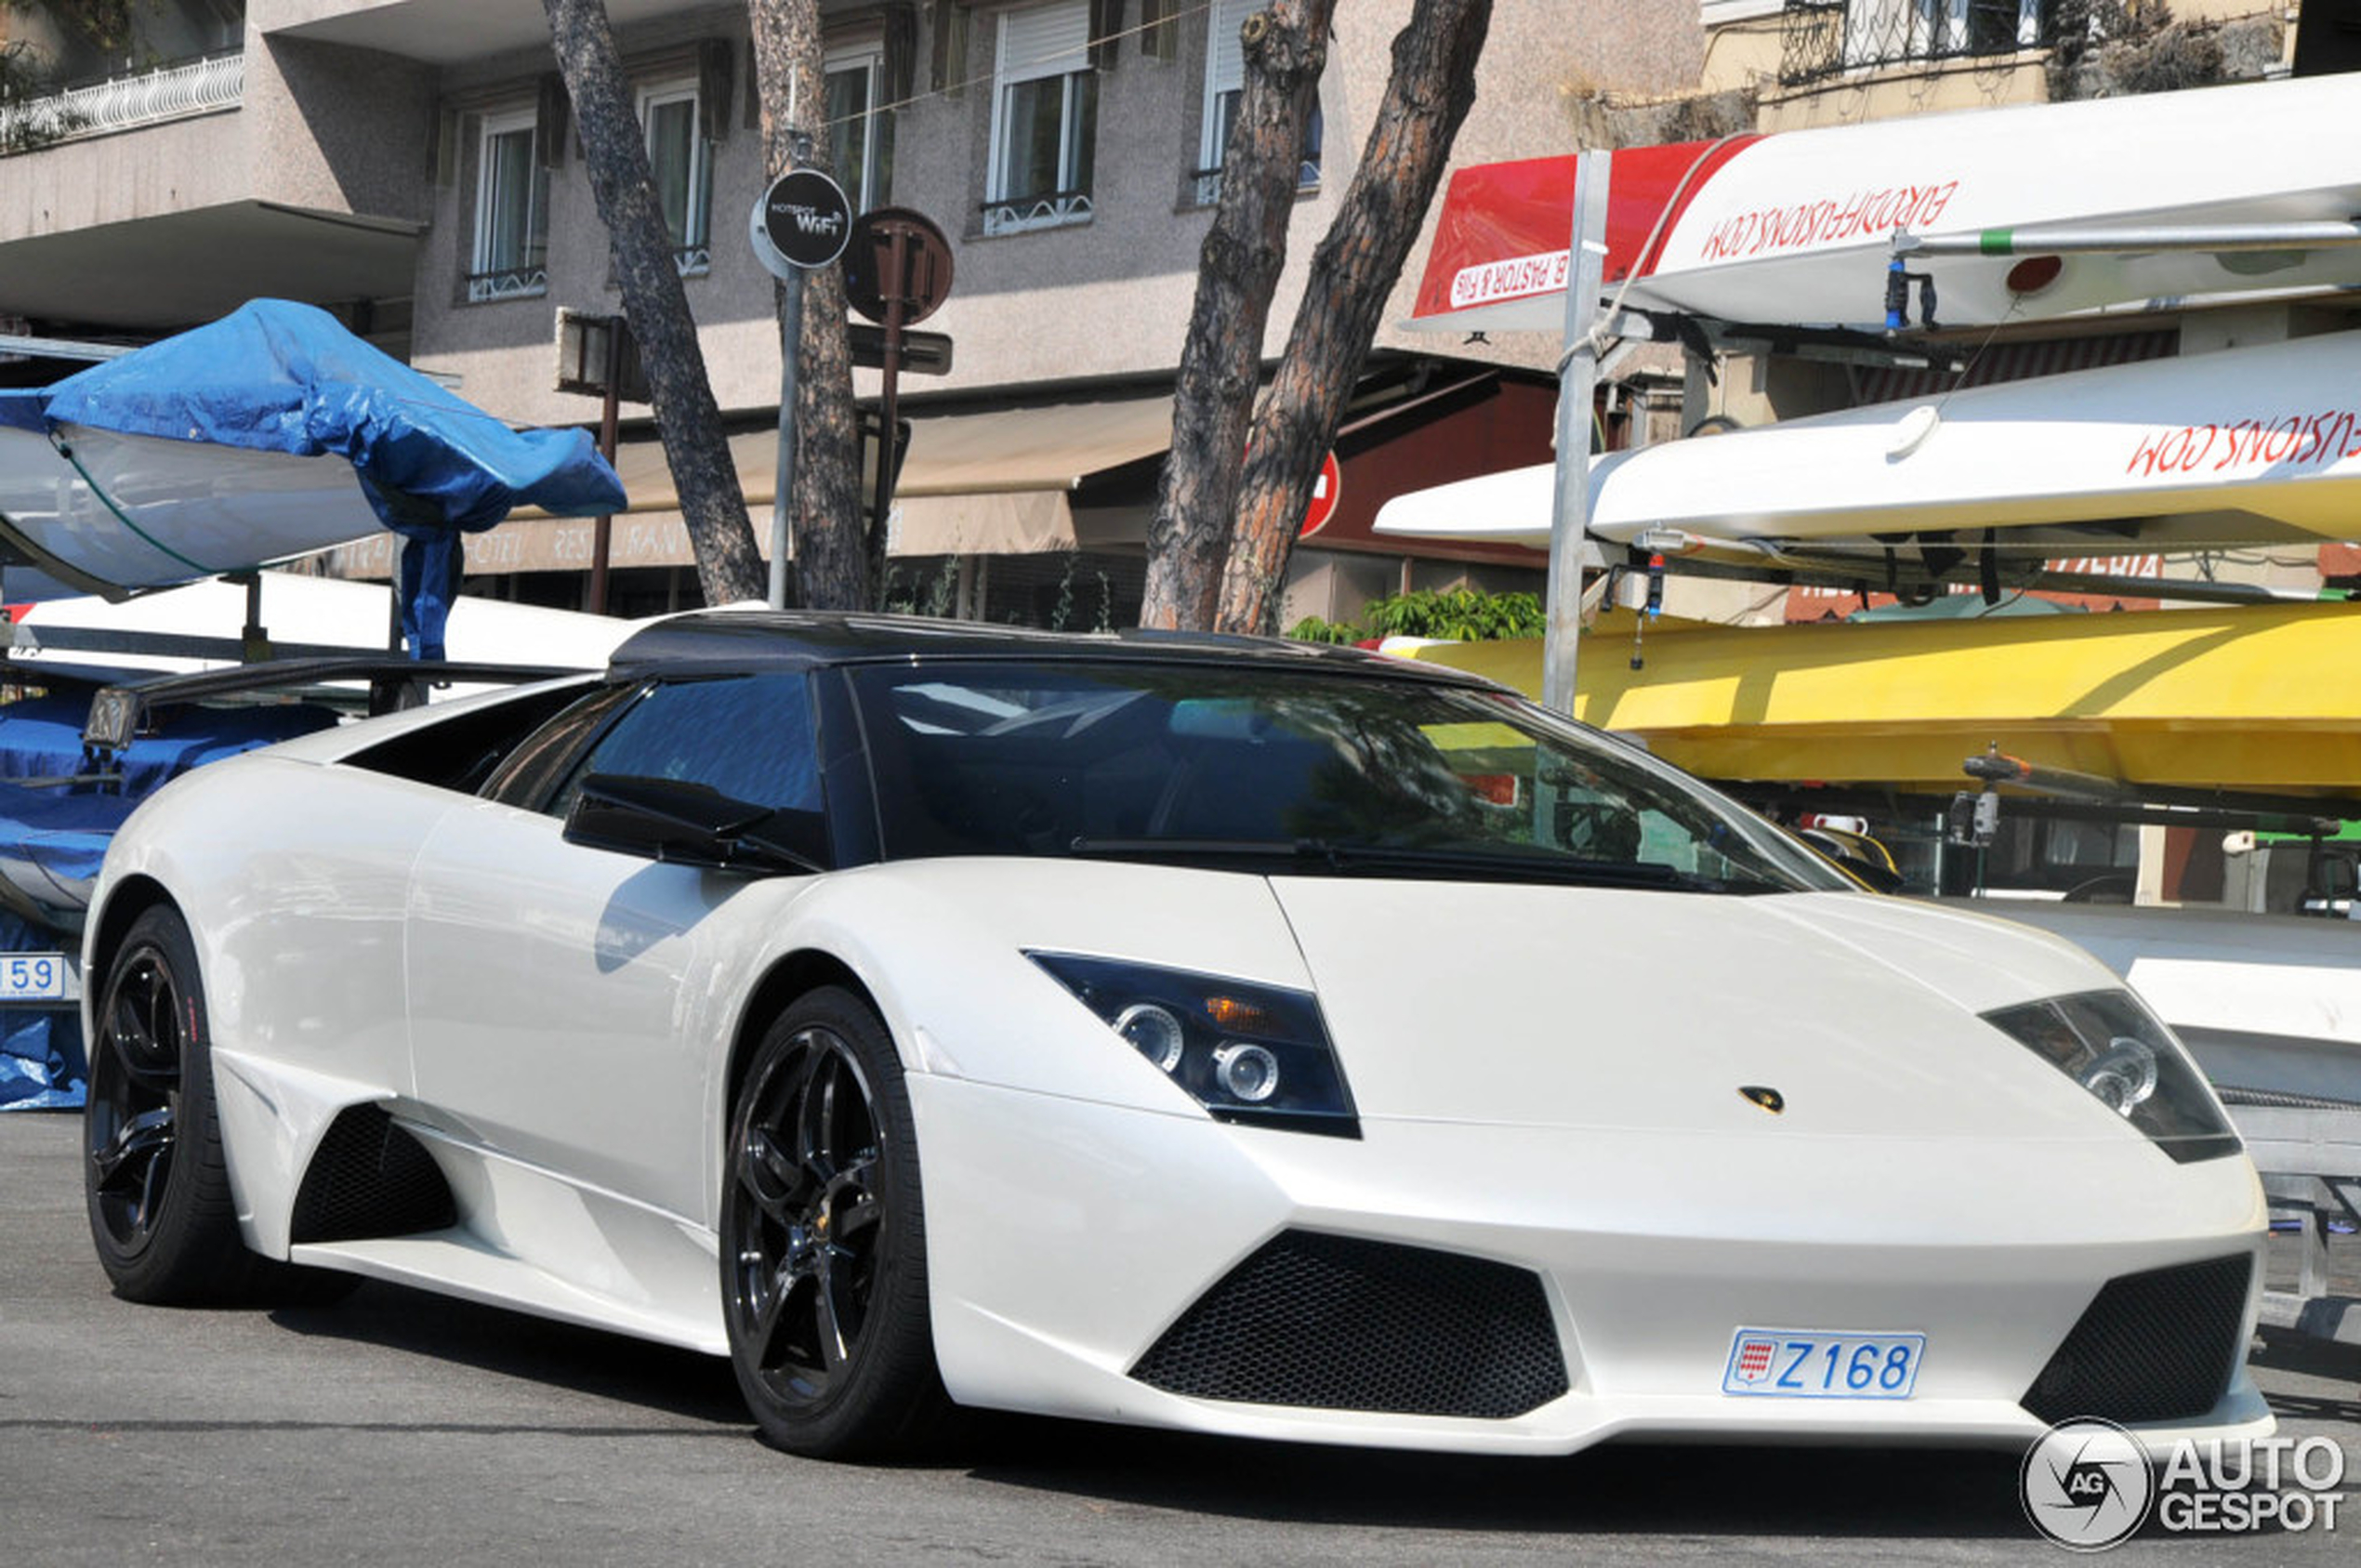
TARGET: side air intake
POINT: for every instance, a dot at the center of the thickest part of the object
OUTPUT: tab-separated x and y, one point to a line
2159	1346
369	1178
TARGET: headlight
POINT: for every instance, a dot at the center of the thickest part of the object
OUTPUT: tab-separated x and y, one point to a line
2114	1048
1245	1052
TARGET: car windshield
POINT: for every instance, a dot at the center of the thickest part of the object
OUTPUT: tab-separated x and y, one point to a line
1300	773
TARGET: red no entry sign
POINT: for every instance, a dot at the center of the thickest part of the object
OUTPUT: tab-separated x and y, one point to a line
1324	490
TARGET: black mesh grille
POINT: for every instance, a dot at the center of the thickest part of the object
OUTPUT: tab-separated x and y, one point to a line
2154	1347
1337	1324
370	1178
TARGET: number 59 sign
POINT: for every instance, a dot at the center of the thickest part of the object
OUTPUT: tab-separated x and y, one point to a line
32	976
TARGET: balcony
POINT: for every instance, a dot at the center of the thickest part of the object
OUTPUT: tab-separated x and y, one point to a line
206	86
1825	39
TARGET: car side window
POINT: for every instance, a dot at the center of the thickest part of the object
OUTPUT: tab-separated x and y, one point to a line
529	771
747	737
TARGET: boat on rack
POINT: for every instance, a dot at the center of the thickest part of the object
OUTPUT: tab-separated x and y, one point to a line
264	435
1797	227
2240	446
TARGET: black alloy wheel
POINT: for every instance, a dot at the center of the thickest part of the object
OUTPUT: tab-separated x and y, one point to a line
161	1213
823	1271
133	1121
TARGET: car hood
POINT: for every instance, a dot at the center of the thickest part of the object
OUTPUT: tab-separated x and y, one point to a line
1614	1009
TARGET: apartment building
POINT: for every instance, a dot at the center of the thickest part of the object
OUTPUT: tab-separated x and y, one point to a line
410	163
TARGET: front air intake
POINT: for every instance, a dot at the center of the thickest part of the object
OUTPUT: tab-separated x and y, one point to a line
2159	1346
369	1178
1334	1322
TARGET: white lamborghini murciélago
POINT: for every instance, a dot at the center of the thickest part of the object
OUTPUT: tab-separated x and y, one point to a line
1235	1036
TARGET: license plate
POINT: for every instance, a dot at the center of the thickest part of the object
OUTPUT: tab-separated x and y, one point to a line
1814	1363
33	977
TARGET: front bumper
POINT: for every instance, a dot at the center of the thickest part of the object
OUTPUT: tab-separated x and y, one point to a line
1065	1238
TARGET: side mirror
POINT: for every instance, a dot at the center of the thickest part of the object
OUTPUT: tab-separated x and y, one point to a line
681	824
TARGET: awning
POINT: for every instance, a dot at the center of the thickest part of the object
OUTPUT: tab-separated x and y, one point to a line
998	483
2248	697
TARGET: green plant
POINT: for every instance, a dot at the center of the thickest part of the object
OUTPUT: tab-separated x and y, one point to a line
1459	615
1063	613
1312	628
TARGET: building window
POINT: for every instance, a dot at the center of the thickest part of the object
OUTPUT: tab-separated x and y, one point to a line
1045	115
860	130
1824	38
1225	75
512	212
683	162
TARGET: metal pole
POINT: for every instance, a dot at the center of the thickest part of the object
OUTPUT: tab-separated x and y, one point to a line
610	419
790	353
1570	547
2062	238
895	286
790	349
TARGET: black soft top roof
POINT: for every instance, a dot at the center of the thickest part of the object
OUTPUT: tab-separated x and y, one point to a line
708	641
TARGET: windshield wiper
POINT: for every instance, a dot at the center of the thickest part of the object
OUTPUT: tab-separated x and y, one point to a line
1541	866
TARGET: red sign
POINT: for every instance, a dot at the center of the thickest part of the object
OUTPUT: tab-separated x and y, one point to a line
1324	490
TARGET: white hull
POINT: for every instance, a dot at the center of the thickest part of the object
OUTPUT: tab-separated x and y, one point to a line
167	511
2241	446
315	610
1796	226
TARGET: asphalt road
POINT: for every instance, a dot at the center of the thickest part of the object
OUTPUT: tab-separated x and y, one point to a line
398	1427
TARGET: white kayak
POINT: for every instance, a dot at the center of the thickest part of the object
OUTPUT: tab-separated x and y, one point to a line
2244	445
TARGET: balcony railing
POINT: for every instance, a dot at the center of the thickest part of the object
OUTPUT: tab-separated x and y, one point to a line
1050	209
1307	177
122	103
509	283
1825	38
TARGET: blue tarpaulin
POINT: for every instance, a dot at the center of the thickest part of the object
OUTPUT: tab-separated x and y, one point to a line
277	377
41	738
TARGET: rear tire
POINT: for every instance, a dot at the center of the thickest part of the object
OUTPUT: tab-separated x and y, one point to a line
162	1216
824	1273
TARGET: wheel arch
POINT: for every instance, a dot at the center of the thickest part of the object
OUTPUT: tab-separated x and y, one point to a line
129	899
790	977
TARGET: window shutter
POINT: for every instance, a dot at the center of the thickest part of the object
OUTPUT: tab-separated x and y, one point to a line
1106	30
550	113
1225	62
900	52
1044	41
947	73
714	78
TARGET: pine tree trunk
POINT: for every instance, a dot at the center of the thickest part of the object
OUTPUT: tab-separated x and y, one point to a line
712	504
1285	48
1427	97
837	566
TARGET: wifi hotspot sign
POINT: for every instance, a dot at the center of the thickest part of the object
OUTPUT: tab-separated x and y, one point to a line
802	220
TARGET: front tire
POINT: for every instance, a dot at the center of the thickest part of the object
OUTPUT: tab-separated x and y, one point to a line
161	1212
823	1274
